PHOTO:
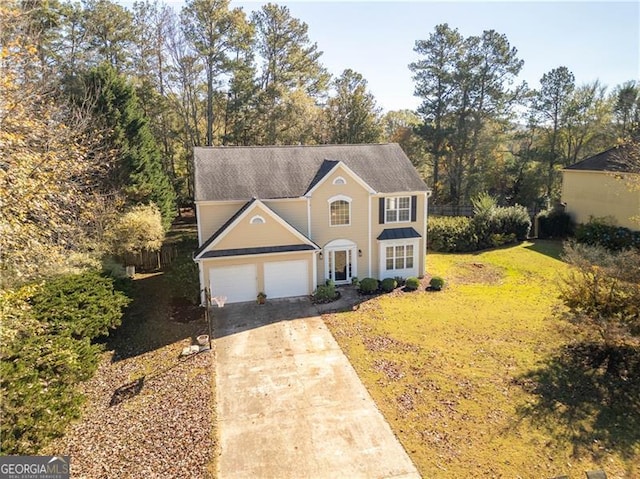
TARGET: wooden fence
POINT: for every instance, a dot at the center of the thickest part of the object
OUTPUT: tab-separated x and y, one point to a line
151	260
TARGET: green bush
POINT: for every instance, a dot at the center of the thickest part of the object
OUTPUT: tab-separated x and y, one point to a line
507	224
412	283
599	232
82	305
368	285
183	278
451	234
46	349
325	293
490	226
388	284
499	239
436	283
513	220
355	281
554	223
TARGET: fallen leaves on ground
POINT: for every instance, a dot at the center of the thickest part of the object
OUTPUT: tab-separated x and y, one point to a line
163	430
149	412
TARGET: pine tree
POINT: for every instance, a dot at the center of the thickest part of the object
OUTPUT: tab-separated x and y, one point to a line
137	169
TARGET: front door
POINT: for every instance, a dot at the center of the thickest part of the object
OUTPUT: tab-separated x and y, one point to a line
340	265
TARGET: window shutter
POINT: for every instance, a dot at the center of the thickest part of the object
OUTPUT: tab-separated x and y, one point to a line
414	207
381	211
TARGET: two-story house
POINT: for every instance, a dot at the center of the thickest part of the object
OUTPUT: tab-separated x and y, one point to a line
283	219
601	186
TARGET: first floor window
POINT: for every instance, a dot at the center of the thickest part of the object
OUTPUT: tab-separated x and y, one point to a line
399	257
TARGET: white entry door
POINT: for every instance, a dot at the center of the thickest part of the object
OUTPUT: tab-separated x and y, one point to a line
237	283
283	279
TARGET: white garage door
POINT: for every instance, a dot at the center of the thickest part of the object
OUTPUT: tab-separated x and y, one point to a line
286	278
237	283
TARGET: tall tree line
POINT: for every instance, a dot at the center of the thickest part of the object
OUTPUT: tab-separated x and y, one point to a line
480	131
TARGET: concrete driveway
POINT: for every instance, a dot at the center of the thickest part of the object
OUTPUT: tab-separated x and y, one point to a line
289	403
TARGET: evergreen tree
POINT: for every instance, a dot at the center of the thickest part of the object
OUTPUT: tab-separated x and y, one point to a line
213	30
465	85
550	104
137	163
292	79
352	114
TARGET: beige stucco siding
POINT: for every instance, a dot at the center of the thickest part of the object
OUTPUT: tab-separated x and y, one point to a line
211	216
293	212
418	225
599	194
357	231
247	235
259	261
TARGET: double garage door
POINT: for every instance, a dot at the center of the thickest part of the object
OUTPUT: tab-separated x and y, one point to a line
281	279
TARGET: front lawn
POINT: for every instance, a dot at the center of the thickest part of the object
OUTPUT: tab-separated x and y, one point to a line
466	376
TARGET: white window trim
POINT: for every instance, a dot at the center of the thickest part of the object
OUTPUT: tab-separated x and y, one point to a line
339	181
384	272
257	220
396	209
332	200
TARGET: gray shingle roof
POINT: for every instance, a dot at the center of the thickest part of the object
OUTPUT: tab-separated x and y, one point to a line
613	159
240	173
398	233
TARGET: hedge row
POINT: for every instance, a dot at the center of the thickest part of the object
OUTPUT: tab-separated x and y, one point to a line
47	348
494	227
597	232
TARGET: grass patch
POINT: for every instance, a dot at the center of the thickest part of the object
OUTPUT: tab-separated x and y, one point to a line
468	377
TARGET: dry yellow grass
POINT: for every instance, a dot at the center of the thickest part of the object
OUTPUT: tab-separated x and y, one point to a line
460	374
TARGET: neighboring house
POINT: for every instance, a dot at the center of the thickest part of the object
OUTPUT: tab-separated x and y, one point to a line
599	186
283	219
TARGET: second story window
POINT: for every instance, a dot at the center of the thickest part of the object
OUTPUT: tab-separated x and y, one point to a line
397	209
340	213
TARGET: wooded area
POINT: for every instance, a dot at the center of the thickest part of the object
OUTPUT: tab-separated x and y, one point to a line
102	105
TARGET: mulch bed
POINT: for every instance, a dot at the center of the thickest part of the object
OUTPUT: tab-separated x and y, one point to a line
184	311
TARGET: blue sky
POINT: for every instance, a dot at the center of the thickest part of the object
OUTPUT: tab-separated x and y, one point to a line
595	40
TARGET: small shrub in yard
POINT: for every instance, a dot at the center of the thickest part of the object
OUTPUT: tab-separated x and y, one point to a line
449	234
325	293
80	305
514	220
412	283
183	279
355	281
399	280
498	240
368	286
554	223
436	283
388	284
